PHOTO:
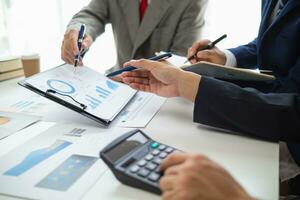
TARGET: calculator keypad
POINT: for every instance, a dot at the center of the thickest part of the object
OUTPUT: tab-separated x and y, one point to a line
148	166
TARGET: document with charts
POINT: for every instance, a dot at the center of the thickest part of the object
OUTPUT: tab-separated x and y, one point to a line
100	96
61	162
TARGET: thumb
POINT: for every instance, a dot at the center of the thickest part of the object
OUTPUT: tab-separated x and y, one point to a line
142	64
205	55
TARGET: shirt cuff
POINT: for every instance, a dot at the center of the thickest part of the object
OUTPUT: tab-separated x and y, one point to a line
230	58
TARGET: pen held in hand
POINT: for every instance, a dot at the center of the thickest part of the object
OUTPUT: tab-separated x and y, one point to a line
131	68
79	43
209	46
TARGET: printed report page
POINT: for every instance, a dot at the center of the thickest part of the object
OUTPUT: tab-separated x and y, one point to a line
103	97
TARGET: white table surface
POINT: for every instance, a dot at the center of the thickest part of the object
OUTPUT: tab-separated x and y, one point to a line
254	163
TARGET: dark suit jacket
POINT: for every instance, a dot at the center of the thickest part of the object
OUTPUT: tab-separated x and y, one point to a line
266	115
277	47
270	116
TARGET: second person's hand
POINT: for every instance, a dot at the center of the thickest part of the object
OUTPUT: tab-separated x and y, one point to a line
69	48
213	55
188	176
162	79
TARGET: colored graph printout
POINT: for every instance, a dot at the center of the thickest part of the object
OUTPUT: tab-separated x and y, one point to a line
65	175
36	157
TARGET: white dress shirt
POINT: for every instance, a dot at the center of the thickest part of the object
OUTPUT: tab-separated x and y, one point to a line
288	168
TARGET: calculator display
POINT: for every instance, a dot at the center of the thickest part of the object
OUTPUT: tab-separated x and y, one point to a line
126	146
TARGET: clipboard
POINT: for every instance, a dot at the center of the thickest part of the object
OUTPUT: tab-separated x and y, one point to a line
227	72
103	122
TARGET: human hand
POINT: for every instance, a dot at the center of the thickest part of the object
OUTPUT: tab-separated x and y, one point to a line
162	79
69	47
213	55
193	177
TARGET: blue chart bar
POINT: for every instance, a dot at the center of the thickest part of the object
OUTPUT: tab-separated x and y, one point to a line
102	92
36	157
93	102
111	85
66	174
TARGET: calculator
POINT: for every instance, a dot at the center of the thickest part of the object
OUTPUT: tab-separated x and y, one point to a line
134	159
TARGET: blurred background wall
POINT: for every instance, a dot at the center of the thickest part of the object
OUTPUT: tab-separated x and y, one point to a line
29	26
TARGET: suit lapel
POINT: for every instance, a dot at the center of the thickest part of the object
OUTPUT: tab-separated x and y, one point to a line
132	16
266	27
153	16
266	16
291	4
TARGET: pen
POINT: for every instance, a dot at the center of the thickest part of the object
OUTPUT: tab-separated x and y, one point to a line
209	46
131	68
79	43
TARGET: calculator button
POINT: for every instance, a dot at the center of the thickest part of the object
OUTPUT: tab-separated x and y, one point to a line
162	147
144	172
154	145
151	166
155	152
169	150
154	177
157	161
163	155
142	163
157	170
149	157
134	169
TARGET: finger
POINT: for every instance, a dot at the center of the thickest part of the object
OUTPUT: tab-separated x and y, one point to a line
205	55
80	63
194	61
167	182
68	58
140	87
136	73
143	64
69	53
86	42
198	45
173	159
71	42
129	80
117	78
173	170
169	195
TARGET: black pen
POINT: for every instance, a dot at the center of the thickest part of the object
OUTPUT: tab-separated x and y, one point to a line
209	46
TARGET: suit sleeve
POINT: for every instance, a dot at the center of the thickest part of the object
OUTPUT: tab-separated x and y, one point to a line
290	83
246	55
269	116
190	27
95	16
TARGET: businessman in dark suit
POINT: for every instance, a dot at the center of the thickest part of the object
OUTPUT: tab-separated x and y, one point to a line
276	48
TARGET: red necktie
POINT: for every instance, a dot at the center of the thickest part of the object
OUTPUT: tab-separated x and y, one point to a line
143	8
